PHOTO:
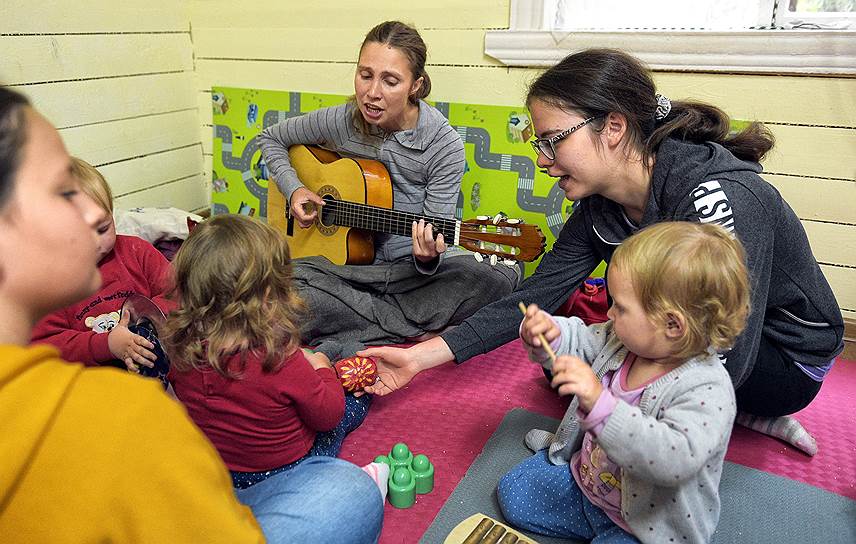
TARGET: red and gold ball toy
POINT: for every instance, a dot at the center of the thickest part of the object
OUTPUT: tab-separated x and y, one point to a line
356	372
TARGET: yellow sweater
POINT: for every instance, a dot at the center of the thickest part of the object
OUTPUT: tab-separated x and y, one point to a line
99	455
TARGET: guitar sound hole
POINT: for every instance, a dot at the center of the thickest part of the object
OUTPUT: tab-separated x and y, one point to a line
327	218
328	214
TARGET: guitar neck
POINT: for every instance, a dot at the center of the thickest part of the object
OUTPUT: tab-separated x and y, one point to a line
376	219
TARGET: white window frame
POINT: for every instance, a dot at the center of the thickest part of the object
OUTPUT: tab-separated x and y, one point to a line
530	42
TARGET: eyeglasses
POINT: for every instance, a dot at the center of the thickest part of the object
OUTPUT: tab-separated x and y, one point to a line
547	146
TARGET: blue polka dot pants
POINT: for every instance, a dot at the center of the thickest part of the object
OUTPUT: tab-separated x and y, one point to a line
326	444
543	498
329	443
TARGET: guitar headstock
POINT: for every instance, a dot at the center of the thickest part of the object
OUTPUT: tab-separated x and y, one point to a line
506	238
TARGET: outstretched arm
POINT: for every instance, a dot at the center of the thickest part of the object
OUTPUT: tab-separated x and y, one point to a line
397	366
561	270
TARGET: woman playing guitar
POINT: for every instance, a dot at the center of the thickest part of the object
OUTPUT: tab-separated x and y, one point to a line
415	286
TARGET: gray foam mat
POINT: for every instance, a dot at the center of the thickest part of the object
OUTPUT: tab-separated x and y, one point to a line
757	507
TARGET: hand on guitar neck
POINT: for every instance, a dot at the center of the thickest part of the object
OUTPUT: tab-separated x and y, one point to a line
304	206
427	245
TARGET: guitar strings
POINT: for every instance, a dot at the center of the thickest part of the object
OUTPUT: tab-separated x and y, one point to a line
354	214
366	212
376	218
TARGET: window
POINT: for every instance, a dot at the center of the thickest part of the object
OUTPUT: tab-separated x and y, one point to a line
659	14
699	14
822	14
756	36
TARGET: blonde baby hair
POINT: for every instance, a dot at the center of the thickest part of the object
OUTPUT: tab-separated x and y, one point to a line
233	280
695	269
92	183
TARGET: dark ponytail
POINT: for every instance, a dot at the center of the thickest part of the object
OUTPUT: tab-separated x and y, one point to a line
13	136
699	122
596	82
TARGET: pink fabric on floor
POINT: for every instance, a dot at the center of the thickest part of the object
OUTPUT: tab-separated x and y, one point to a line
448	413
831	419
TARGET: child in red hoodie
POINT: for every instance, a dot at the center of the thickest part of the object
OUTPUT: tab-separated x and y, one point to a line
93	331
236	364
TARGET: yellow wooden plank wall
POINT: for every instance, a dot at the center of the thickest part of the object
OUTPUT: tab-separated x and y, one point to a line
312	47
117	80
128	84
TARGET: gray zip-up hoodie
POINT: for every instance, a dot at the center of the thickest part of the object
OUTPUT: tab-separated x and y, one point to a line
792	303
670	447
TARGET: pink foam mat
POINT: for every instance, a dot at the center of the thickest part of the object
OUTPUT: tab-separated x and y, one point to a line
449	412
831	419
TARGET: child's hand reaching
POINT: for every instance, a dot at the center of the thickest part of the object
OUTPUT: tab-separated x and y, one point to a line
132	349
317	359
574	377
537	322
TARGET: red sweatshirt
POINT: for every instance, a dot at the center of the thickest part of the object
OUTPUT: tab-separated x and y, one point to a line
80	331
262	421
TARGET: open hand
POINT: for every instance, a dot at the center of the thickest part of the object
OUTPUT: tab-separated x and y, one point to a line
394	369
573	376
304	205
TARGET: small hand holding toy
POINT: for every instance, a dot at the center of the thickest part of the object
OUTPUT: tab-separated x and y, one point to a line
535	324
572	376
143	318
356	372
135	350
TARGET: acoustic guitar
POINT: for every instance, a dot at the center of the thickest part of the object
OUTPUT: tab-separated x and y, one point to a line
358	202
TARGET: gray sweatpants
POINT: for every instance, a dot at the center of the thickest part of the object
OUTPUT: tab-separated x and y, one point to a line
392	302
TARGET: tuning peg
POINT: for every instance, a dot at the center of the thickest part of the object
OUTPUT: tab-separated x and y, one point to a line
493	259
479	257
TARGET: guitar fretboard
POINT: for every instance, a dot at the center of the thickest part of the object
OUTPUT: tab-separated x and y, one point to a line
373	218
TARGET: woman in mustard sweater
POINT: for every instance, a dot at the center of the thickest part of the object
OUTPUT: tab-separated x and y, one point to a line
97	454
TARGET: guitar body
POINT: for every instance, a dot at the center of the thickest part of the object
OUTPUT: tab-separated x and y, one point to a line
331	176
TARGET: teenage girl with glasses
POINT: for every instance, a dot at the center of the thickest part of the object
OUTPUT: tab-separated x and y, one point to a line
638	159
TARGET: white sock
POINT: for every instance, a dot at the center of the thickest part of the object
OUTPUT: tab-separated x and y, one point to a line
785	428
538	439
379	472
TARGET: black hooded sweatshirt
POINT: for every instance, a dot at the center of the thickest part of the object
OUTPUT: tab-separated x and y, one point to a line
792	303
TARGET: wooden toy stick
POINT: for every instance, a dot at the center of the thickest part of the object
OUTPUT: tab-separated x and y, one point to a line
493	536
543	340
478	533
477	528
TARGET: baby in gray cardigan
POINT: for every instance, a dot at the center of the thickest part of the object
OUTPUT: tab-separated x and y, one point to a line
639	453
